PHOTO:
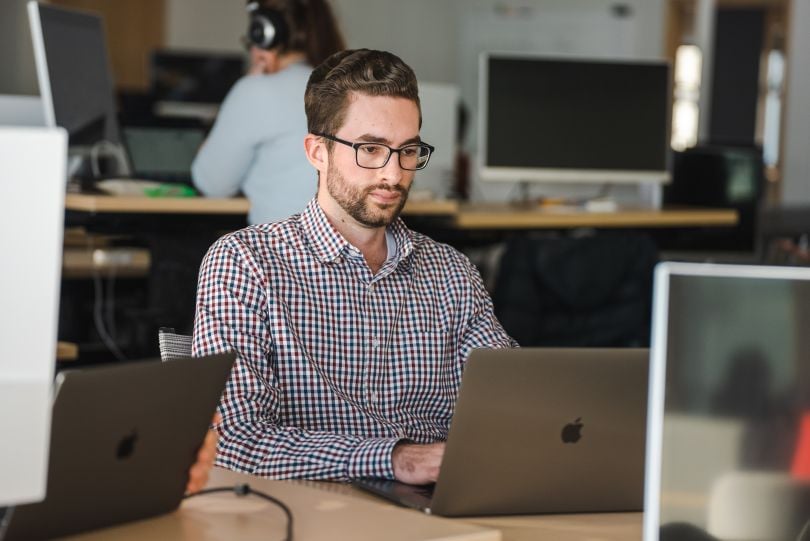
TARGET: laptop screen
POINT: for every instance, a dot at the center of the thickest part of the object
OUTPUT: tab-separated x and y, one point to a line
162	153
730	395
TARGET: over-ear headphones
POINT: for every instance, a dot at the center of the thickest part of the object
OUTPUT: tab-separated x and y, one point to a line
266	27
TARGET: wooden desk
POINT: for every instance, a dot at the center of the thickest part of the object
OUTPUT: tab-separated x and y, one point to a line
463	216
329	511
207	205
155	205
569	527
67	351
503	216
431	207
318	513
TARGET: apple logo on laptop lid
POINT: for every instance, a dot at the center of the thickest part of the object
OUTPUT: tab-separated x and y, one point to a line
572	432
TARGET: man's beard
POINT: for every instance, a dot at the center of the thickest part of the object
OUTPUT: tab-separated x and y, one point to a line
356	204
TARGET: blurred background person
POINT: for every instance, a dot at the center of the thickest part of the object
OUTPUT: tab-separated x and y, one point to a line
255	146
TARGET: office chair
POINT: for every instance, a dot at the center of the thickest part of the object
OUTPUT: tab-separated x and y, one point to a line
591	291
173	345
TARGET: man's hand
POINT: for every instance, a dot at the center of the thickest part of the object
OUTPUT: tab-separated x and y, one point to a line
417	464
198	473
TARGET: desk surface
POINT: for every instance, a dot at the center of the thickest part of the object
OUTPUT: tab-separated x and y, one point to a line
208	205
502	216
155	205
332	511
461	215
67	351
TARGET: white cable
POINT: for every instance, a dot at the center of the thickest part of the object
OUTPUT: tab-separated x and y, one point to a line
98	320
109	305
110	149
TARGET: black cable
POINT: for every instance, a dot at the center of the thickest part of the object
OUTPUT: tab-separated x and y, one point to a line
244	490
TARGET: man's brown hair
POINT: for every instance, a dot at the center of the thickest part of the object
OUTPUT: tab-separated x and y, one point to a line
365	71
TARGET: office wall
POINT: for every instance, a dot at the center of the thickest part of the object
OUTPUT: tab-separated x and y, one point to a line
213	25
430	34
796	171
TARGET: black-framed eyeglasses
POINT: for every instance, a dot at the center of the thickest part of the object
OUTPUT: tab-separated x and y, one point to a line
376	155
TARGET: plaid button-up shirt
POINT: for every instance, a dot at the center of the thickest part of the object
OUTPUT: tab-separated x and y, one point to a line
335	364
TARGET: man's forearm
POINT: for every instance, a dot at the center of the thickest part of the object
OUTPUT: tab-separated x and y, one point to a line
293	453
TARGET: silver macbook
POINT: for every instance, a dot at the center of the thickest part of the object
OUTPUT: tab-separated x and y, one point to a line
540	431
123	438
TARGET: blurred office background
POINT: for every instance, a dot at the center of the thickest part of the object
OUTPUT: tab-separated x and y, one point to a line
740	124
741	67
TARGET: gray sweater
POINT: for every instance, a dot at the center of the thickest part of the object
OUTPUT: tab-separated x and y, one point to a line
257	146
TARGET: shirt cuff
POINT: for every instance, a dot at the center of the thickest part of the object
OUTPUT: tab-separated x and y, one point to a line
372	458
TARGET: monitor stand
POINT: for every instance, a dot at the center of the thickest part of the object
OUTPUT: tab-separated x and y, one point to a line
89	164
596	197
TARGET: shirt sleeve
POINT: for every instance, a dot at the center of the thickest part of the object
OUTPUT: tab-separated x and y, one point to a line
222	163
231	316
480	327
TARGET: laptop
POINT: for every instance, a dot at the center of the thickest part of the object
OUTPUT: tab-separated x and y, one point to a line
122	440
162	153
540	430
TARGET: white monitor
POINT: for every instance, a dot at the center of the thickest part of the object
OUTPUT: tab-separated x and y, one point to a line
32	192
728	448
21	111
73	72
440	103
557	119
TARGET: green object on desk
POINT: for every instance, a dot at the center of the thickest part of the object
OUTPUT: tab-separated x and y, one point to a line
170	190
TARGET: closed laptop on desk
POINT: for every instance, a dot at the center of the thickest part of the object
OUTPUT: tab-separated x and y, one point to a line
123	438
541	431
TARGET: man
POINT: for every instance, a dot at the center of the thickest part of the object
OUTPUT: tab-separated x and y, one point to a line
351	330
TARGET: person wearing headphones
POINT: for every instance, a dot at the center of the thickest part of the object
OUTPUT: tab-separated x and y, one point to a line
255	144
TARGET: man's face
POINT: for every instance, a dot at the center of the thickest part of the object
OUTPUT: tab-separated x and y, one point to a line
372	197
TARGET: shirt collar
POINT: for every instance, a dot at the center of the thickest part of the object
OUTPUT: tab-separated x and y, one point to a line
328	244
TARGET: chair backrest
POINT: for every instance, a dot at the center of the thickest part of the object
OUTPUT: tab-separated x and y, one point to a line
592	291
172	345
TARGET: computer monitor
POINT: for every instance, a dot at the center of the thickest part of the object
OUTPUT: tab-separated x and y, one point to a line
573	120
73	72
21	111
729	395
32	180
194	76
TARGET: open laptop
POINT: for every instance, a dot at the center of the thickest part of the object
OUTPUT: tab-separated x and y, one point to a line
162	153
122	440
540	431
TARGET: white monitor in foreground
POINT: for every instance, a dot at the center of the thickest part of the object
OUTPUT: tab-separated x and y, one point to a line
21	110
32	192
728	436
